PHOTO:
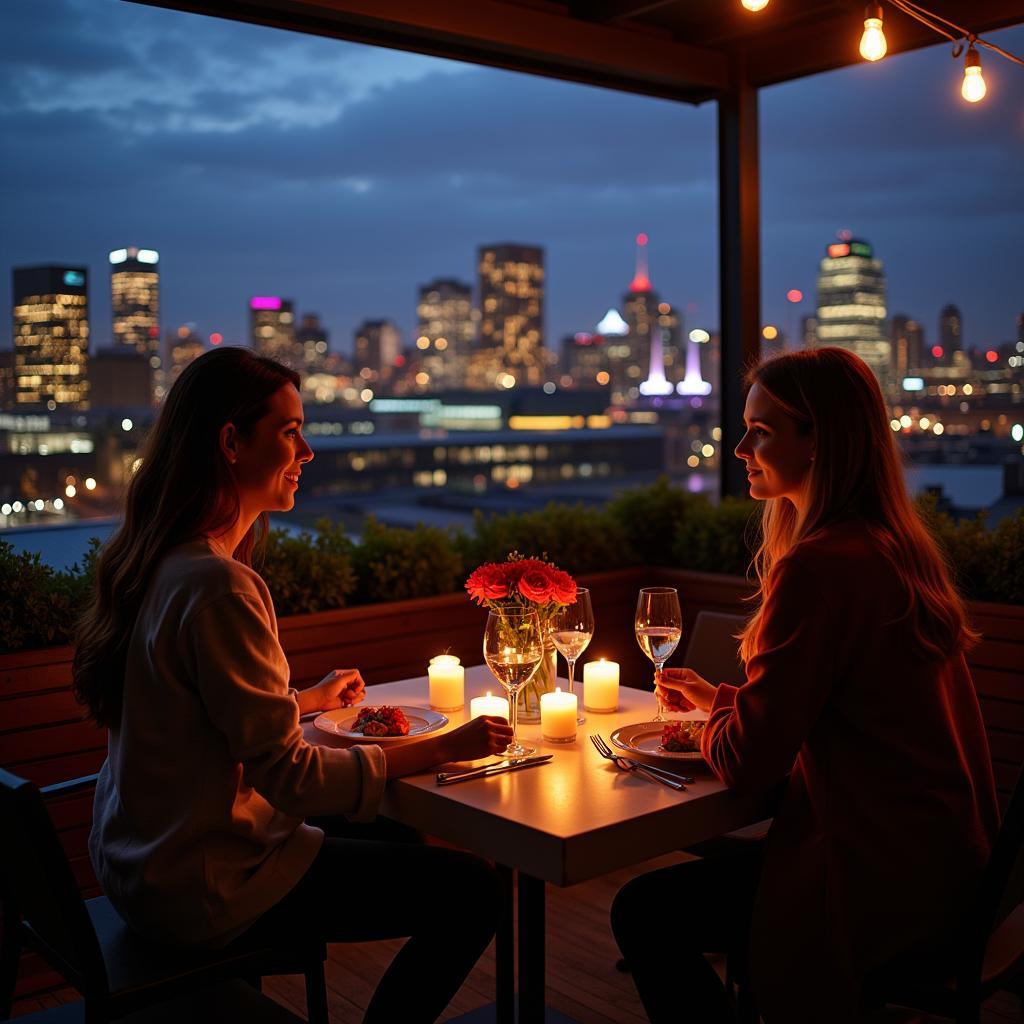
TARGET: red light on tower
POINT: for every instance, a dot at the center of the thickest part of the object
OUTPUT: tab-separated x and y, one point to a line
795	295
215	338
641	239
992	355
936	351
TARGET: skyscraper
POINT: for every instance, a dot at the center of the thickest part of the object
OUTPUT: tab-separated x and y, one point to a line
272	329
135	308
51	337
446	330
950	334
314	342
512	310
183	347
378	343
851	304
907	337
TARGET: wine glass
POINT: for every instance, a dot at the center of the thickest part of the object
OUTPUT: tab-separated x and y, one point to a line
513	650
572	627
659	625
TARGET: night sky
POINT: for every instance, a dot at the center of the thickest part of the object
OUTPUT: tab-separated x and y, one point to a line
262	162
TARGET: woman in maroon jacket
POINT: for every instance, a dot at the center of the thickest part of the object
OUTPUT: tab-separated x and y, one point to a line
858	690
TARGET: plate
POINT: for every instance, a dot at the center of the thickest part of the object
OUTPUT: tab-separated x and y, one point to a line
339	723
645	738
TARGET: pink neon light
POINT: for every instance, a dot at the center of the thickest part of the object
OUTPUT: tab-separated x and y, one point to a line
264	302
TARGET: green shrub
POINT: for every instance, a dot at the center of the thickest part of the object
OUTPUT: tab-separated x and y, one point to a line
576	538
718	538
393	564
307	573
649	517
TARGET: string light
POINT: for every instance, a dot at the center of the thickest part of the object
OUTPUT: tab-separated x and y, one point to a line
755	5
974	87
872	42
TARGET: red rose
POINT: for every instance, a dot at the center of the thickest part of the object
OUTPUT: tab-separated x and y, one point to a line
488	583
536	585
563	587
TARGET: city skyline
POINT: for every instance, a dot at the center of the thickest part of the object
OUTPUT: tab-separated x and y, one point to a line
345	177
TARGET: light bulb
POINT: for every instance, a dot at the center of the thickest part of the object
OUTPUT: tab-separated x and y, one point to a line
872	43
974	87
755	5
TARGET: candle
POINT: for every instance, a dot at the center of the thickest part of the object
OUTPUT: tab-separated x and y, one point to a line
558	716
601	686
447	683
488	706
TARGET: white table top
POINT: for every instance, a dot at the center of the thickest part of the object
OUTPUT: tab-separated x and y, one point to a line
570	820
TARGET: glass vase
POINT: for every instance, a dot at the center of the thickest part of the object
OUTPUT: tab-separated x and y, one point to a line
543	681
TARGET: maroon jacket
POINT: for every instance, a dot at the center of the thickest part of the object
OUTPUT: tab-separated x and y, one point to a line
890	810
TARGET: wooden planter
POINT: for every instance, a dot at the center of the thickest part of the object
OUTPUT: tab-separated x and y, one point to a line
43	736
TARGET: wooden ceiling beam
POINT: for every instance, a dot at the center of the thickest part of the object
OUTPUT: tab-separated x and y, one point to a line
614	10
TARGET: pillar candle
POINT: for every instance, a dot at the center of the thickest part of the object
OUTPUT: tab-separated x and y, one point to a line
488	706
558	716
447	683
601	686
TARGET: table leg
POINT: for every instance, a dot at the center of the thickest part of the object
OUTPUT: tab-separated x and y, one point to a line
531	948
504	950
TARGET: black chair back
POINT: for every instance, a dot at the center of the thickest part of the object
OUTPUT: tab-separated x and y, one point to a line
713	651
39	878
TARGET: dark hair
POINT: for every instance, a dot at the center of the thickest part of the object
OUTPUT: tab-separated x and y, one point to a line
183	488
857	473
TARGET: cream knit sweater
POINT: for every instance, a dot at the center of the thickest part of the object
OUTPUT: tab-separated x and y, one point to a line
197	820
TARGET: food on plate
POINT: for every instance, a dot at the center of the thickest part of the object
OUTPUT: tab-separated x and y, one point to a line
382	721
682	737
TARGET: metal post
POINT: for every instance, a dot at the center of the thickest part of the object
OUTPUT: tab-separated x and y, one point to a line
504	950
739	261
531	949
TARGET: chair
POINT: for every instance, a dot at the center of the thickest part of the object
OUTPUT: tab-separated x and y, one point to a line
116	971
989	954
713	651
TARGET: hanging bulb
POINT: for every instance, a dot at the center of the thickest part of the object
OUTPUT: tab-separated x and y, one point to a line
872	43
755	5
974	87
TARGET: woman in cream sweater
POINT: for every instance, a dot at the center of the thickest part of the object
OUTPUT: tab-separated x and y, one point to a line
200	827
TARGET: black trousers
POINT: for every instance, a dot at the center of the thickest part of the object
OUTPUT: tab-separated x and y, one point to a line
380	881
665	921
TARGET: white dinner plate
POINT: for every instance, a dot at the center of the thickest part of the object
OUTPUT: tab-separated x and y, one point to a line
645	738
339	723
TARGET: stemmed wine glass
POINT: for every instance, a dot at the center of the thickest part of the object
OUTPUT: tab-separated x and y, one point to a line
513	649
572	627
659	625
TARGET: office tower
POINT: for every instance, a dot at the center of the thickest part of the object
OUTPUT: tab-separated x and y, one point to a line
851	304
183	347
51	337
446	330
809	331
512	311
6	379
640	311
135	308
378	344
584	360
950	334
120	378
314	342
908	354
272	329
673	344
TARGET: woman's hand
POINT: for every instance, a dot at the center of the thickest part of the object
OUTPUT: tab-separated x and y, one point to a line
681	689
480	737
340	688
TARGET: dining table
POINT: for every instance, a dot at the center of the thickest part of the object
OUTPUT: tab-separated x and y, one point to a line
567	821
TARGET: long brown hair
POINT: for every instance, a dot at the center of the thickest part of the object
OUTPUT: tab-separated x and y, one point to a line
182	489
856	473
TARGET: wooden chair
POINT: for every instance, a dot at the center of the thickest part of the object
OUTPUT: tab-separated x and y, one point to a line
989	954
86	941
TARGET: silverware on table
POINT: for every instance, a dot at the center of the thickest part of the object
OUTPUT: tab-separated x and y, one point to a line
649	772
497	768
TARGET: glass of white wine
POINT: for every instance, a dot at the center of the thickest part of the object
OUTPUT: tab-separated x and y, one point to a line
659	625
572	627
513	649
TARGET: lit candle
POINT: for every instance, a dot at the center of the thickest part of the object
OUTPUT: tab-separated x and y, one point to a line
447	683
558	716
601	686
488	706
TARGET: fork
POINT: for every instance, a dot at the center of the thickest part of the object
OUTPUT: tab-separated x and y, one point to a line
647	771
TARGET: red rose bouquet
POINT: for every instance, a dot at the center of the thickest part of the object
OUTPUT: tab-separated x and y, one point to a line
528	583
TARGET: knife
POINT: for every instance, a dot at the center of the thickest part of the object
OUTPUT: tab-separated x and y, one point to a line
499	768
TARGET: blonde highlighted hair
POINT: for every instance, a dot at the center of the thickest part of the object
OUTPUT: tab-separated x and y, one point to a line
833	396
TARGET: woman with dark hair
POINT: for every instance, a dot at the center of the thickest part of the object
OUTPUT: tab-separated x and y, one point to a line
858	690
198	823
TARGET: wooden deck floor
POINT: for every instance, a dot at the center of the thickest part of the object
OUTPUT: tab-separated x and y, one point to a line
581	978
